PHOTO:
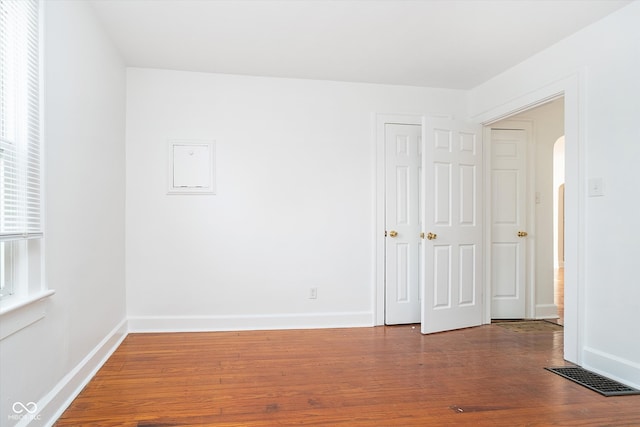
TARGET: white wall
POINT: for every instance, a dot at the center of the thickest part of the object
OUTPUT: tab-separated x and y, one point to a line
294	206
84	218
606	58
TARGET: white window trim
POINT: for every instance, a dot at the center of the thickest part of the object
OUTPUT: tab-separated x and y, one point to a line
13	304
29	306
19	313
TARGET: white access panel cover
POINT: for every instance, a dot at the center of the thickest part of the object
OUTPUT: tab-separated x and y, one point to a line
191	167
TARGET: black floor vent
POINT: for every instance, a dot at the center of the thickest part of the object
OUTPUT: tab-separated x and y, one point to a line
603	385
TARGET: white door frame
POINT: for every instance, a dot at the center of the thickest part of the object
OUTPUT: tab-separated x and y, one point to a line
379	209
572	88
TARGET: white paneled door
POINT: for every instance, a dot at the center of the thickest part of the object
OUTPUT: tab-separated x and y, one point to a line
403	165
453	225
508	223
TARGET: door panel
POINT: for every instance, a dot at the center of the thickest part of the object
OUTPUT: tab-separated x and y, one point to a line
453	223
442	190
467	294
403	195
442	277
403	276
508	193
402	216
505	189
505	270
468	196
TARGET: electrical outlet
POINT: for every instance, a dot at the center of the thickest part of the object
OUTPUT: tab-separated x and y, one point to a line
313	293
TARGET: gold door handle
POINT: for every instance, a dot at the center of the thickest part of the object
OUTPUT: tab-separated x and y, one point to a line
422	235
522	234
393	233
432	236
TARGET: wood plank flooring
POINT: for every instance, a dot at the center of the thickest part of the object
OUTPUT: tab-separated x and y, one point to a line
382	376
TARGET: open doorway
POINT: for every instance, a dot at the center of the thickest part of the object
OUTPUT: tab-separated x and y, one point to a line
523	229
569	88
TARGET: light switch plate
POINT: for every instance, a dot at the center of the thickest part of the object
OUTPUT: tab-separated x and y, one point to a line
596	187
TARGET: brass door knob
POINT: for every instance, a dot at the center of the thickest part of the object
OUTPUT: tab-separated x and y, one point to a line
432	236
522	234
393	233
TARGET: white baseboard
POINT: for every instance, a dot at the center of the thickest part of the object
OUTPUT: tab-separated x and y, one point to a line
616	368
546	311
54	403
249	322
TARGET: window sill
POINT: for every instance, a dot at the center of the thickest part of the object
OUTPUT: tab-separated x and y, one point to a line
17	315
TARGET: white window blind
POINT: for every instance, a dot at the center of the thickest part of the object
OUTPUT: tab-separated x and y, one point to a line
20	166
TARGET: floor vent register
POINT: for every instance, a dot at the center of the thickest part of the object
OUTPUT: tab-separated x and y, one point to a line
593	381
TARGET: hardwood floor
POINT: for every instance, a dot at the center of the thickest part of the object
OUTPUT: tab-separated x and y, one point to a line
382	376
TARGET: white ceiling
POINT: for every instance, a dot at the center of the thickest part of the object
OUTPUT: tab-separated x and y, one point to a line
454	44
